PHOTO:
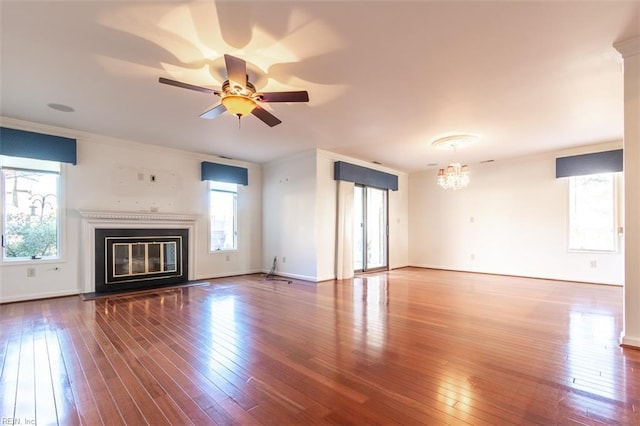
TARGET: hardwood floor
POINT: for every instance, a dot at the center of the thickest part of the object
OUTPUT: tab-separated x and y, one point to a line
410	346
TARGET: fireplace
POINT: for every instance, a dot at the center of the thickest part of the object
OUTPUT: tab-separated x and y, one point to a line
128	259
136	250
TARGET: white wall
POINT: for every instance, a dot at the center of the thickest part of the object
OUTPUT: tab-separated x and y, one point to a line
512	220
289	215
326	215
399	224
630	50
299	204
106	178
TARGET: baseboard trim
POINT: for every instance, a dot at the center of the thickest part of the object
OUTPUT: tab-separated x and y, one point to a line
629	341
294	276
229	274
504	274
39	296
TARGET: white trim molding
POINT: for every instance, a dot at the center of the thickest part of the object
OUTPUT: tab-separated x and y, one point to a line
629	47
629	341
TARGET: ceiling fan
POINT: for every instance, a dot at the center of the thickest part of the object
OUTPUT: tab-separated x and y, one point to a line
239	96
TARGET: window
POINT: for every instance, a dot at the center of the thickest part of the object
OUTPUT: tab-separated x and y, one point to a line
592	212
223	216
30	209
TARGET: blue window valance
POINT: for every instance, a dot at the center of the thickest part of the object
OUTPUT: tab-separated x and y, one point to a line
224	173
21	143
589	164
364	176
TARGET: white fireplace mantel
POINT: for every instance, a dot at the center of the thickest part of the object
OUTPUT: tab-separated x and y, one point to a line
97	219
138	216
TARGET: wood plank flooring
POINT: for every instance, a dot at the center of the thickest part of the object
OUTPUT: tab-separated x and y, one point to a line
409	346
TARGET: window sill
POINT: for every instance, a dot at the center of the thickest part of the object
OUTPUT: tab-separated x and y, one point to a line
223	251
20	262
587	251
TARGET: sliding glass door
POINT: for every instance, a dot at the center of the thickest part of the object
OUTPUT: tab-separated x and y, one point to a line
370	228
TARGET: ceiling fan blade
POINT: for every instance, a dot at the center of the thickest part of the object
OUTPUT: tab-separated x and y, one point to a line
264	115
214	112
236	70
299	96
188	86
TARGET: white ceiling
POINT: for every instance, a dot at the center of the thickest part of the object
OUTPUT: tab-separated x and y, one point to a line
384	78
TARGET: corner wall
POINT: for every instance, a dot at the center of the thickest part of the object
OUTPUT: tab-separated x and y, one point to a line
289	215
630	50
300	209
113	175
512	220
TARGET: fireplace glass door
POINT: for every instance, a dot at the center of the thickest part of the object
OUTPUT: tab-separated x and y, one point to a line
130	259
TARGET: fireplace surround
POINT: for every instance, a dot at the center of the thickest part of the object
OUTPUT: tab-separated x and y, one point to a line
135	258
136	250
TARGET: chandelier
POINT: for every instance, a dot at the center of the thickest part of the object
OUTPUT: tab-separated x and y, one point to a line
455	175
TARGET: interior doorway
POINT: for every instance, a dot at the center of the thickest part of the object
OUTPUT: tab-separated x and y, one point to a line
370	224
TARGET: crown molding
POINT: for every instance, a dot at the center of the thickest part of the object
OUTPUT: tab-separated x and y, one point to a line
629	47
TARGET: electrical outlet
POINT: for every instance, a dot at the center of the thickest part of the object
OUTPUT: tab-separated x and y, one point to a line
473	256
593	264
31	271
284	259
228	258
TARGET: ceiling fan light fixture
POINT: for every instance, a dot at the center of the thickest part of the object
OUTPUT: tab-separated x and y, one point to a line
238	105
239	96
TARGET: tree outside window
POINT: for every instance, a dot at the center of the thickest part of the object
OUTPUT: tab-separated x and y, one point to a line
30	211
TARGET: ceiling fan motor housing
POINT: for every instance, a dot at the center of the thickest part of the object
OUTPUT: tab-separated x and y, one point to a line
238	90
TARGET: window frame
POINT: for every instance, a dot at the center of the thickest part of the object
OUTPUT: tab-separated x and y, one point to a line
61	220
616	209
211	188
